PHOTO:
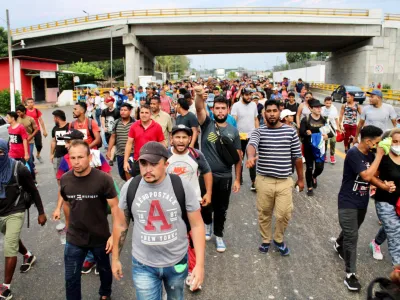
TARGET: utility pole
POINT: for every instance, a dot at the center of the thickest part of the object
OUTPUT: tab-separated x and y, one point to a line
111	57
10	63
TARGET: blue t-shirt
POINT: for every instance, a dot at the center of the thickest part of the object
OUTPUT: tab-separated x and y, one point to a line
230	120
139	95
354	192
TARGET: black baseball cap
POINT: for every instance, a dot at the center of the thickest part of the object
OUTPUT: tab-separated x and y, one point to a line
247	91
182	127
153	152
72	135
315	103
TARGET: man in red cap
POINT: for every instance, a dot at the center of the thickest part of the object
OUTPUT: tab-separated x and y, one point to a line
108	118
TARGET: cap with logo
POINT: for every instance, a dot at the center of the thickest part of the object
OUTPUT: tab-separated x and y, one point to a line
153	152
376	92
72	135
286	112
182	127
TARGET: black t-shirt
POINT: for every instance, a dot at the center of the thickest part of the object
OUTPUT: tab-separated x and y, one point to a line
189	120
309	123
354	192
110	118
87	197
390	171
57	132
292	107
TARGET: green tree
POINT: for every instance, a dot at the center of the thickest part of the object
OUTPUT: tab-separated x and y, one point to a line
232	75
3	42
87	72
320	55
293	57
168	64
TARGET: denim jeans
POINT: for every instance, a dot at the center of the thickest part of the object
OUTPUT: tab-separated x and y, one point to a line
148	280
73	260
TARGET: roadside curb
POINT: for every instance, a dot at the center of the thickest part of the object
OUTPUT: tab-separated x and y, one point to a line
46	105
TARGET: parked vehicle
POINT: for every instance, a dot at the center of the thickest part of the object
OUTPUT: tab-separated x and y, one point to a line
340	93
4	128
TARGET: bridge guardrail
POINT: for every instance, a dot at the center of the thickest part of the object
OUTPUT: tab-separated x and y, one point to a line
392	17
196	11
387	94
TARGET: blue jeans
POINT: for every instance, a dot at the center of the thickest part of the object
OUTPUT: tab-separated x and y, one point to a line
98	115
73	260
148	280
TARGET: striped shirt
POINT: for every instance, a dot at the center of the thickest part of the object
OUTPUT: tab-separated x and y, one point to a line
276	148
121	135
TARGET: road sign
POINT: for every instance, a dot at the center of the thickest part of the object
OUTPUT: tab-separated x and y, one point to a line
47	74
378	69
76	79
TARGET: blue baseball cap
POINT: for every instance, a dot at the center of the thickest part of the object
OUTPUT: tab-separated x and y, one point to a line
375	92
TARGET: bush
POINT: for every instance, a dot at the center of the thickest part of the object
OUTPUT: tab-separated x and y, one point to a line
386	87
5	104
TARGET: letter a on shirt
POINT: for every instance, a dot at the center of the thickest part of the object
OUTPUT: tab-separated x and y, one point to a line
153	217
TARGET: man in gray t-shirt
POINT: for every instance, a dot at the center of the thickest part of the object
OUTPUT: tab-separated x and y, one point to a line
159	239
377	113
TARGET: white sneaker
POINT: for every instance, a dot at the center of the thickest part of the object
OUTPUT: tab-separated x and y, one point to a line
376	250
208	232
220	244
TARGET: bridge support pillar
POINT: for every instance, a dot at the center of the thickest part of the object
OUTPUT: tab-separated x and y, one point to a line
132	64
141	64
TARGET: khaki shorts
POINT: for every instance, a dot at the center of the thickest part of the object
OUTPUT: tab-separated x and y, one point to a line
10	227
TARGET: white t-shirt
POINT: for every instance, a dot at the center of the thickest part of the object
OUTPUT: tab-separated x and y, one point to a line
192	109
331	114
378	117
245	113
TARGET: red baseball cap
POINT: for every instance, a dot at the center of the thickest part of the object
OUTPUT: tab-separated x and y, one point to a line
109	99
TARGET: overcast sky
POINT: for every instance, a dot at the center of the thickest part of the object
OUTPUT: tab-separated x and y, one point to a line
24	13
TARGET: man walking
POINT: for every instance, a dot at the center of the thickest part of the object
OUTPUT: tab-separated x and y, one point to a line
222	172
108	118
12	214
57	149
86	192
37	116
162	205
161	117
278	145
187	119
119	138
330	113
87	126
348	117
19	149
246	115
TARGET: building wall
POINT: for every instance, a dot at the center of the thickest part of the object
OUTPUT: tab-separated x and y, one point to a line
38	65
309	74
26	85
4	75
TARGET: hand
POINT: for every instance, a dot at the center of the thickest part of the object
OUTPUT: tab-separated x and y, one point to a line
308	132
26	157
127	167
205	96
108	154
197	278
236	186
109	245
324	137
251	162
380	151
206	200
45	134
116	268
199	90
52	158
42	219
391	186
56	214
300	184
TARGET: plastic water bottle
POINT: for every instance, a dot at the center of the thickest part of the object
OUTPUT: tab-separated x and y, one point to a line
61	229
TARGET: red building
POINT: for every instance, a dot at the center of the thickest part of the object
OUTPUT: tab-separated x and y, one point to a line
33	77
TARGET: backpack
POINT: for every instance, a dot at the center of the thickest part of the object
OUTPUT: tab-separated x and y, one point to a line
100	144
194	153
178	190
23	195
225	148
388	290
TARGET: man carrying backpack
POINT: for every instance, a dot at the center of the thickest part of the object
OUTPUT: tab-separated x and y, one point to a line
163	206
87	126
15	182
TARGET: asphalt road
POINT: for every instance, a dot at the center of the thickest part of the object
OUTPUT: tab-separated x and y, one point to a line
312	271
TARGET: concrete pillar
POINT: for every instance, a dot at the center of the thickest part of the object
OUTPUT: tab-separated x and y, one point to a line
132	67
141	64
137	63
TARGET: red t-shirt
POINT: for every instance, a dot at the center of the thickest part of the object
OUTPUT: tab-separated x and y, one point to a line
17	136
84	128
35	114
153	133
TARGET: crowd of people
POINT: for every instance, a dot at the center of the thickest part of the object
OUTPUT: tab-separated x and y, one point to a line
181	149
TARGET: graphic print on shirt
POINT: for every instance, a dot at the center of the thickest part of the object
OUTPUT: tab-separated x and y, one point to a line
85	134
59	134
15	139
182	169
361	187
157	221
110	121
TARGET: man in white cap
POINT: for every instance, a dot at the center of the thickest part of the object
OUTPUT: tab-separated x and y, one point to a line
275	94
287	117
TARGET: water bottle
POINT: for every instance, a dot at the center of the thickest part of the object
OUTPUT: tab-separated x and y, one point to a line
61	229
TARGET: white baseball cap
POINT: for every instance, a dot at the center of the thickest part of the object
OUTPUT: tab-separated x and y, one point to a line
286	112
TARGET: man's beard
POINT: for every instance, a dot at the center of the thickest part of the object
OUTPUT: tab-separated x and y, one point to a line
219	120
272	123
247	100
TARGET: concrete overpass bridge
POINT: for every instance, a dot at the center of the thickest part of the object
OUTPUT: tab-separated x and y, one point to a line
358	39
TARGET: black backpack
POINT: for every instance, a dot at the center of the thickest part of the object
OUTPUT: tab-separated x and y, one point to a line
388	290
90	128
225	148
178	190
23	196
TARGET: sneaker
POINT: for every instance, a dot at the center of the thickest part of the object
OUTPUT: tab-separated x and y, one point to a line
27	264
352	283
314	183
220	244
253	187
283	249
5	293
96	272
310	192
40	159
188	280
263	248
208	232
87	267
339	250
111	163
333	159
376	250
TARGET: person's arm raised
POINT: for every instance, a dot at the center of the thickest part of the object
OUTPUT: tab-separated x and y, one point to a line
199	104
